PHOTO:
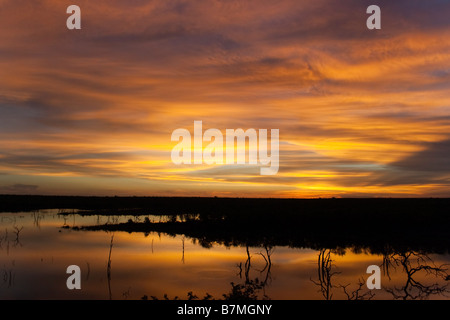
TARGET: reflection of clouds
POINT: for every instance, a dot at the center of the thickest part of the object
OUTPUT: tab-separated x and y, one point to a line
39	265
424	279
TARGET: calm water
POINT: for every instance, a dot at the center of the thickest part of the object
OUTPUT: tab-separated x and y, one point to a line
35	251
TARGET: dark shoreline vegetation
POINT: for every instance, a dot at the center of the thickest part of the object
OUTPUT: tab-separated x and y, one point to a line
378	225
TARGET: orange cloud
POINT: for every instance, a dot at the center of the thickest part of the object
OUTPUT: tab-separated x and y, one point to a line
83	111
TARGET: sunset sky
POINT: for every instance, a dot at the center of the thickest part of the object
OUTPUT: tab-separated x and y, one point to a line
361	113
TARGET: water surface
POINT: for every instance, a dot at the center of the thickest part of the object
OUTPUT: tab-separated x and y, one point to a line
37	247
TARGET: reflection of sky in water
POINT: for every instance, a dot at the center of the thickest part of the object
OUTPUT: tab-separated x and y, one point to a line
33	265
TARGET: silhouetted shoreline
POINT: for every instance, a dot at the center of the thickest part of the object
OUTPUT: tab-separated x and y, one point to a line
331	236
375	224
214	205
